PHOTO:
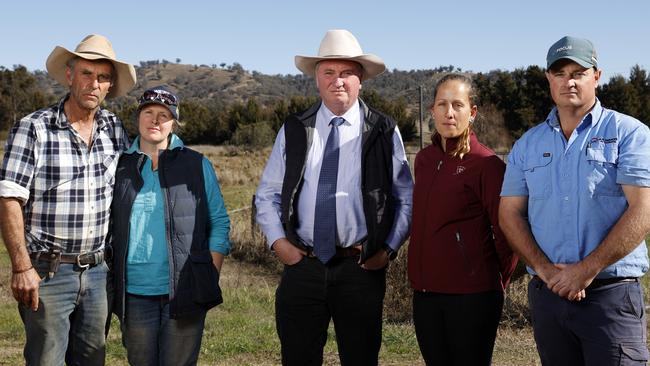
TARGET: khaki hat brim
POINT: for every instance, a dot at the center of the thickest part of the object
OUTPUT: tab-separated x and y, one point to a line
372	65
56	65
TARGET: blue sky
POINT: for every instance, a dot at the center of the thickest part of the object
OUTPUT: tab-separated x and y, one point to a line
266	35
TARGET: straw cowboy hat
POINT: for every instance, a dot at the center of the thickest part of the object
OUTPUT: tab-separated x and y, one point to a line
340	44
93	47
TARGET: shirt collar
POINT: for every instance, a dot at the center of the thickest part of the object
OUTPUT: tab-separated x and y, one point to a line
591	118
351	116
175	142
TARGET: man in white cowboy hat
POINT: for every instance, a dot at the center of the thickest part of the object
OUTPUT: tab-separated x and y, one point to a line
55	195
334	203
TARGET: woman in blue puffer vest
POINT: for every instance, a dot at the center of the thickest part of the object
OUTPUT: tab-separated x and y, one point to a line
170	235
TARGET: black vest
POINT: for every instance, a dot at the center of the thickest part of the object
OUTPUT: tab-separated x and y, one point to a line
193	280
376	174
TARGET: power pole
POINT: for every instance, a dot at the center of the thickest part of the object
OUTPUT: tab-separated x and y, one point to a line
421	119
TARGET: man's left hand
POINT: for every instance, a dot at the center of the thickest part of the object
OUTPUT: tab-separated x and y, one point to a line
377	261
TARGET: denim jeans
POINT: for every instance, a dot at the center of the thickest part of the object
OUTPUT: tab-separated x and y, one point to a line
71	316
152	338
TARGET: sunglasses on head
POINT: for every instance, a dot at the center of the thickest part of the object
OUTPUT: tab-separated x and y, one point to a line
159	96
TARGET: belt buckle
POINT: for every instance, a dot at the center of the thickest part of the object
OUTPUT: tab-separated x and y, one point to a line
84	266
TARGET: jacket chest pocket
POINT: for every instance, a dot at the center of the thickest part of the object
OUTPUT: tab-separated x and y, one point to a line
537	172
603	166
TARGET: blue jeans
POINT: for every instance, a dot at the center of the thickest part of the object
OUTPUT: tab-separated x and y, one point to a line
608	327
152	338
71	316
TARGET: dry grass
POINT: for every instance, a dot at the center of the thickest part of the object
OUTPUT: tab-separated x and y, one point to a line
236	166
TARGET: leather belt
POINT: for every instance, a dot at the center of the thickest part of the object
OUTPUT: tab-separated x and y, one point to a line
600	282
80	259
351	251
341	252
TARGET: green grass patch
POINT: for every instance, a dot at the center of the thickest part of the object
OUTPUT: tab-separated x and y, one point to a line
12	326
399	345
115	352
238	196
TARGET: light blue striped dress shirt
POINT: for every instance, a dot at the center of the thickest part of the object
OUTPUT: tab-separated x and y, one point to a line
351	224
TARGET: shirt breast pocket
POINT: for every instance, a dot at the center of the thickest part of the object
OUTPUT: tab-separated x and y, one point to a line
537	172
603	165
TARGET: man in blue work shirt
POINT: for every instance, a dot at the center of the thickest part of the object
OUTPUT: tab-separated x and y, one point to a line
576	207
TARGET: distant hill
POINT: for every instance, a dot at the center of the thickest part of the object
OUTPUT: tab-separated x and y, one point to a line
227	84
226	103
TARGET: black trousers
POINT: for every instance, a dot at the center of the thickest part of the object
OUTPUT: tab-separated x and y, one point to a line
311	293
457	329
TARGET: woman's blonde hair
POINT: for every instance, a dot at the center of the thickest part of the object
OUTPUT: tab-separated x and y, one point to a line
462	148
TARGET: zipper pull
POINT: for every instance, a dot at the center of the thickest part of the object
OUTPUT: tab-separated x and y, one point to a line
458	236
439	165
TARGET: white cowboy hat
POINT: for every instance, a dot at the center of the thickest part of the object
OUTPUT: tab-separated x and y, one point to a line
93	47
340	44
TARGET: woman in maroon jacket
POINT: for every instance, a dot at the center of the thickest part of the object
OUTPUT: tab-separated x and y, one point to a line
459	262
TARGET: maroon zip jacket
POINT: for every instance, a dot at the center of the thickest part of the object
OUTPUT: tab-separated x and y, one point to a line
456	245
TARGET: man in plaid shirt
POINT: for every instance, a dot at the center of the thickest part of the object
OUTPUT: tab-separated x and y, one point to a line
55	195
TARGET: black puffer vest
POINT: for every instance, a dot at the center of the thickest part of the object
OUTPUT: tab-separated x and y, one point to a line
193	279
376	174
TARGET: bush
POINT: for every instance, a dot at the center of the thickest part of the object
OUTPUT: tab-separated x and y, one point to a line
258	134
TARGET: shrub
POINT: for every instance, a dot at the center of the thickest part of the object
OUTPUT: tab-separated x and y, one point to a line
258	134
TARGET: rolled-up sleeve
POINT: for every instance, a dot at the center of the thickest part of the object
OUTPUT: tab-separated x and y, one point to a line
269	192
19	162
634	158
514	180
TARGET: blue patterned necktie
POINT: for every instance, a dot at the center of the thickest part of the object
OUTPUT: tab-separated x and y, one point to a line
325	215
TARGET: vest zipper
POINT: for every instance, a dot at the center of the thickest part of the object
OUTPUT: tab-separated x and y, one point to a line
168	232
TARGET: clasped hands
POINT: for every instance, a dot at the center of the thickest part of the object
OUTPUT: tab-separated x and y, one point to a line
567	280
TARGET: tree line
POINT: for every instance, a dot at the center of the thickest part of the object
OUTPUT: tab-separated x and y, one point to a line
510	102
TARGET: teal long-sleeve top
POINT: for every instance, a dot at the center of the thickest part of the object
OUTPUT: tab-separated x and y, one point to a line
147	261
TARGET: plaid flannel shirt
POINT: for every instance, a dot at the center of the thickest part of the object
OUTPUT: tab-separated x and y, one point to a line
65	187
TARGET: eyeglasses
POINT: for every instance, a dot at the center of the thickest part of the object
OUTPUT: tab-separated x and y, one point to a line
158	95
